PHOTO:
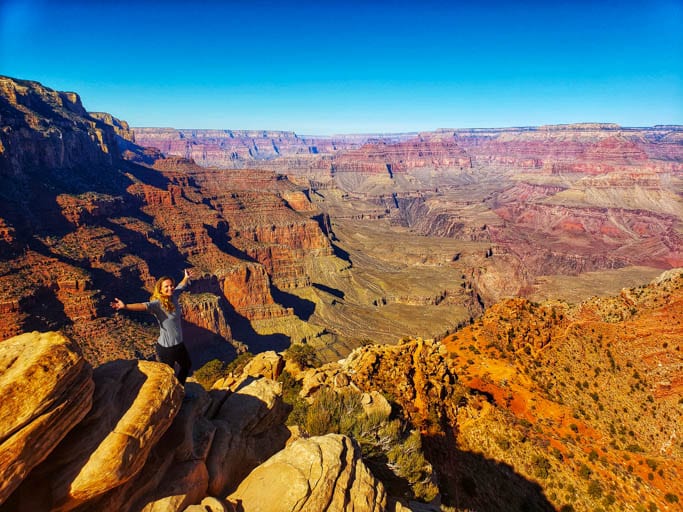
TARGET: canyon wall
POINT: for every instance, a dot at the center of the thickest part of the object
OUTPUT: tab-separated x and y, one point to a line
88	215
328	240
565	199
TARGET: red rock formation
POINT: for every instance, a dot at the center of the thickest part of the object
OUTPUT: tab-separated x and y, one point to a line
235	148
79	219
413	155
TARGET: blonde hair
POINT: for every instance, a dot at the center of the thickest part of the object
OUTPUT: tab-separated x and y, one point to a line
165	301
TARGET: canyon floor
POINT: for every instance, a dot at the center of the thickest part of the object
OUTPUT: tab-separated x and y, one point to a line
398	283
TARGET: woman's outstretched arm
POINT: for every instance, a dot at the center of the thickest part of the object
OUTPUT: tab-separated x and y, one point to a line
186	279
118	305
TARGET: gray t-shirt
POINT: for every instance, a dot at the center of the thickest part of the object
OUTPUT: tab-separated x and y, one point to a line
171	332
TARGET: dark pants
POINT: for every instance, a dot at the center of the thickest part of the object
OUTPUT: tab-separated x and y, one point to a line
177	354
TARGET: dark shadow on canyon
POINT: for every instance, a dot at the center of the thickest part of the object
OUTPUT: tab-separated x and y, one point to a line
303	308
341	253
204	345
470	481
328	289
221	239
257	343
48	313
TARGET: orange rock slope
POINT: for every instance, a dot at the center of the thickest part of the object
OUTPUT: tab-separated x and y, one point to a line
591	393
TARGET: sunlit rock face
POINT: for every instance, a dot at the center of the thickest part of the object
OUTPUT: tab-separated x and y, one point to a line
313	474
47	389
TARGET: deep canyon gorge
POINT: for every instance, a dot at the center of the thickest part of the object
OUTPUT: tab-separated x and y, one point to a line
474	276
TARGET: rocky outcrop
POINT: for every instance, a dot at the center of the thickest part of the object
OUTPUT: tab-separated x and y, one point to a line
121	127
249	428
320	473
134	403
134	445
205	316
415	373
47	389
43	128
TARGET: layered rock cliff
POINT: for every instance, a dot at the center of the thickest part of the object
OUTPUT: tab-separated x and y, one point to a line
85	210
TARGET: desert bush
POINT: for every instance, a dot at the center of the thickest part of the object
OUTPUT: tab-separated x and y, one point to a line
393	455
303	355
290	395
594	489
671	498
209	373
541	467
503	443
584	471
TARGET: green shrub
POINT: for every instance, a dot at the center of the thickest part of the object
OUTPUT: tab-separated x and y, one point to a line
671	498
584	471
503	443
210	373
290	395
594	489
541	466
237	365
392	454
303	355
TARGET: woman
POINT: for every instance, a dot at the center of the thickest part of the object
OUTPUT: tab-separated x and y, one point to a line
163	304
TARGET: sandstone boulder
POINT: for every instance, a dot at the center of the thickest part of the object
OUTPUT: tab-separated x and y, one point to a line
134	404
46	388
175	474
330	375
249	429
375	404
320	473
266	364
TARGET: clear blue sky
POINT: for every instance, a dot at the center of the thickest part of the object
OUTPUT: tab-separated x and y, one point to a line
352	66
